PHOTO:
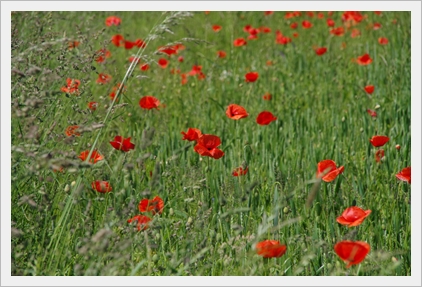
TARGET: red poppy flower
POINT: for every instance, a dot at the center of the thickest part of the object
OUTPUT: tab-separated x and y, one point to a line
320	51
201	76
364	60
118	40
144	67
327	170
216	28
280	39
289	15
239	171
253	31
180	59
268	13
163	63
339	31
377	12
196	70
149	102
306	24
139	43
379	155
270	248
383	41
122	144
320	15
355	33
184	78
252	37
372	113
404	174
236	112
101	186
115	89
71	131
73	44
369	89
134	59
267	96
293	25
264	29
168	50
141	221
95	156
353	16
330	22
113	20
192	134
352	252
103	78
207	145
155	205
72	86
221	54
377	26
378	141
247	28
101	55
353	216
251	77
92	106
310	14
129	44
265	118
239	42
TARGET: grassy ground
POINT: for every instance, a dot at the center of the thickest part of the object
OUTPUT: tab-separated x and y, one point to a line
211	220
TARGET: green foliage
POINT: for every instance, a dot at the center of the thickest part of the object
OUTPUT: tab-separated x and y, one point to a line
211	220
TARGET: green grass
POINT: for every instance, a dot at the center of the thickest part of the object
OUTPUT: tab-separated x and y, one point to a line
211	220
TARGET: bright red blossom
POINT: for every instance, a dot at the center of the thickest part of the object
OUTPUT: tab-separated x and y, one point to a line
236	112
265	118
155	205
95	156
144	67
327	170
72	131
364	60
353	216
270	248
101	55
149	102
141	221
239	171
118	40
377	26
192	134
207	145
383	41
293	25
372	113
72	86
379	155
369	89
339	31
239	42
404	174
163	63
330	22
216	28
101	186
221	54
92	106
122	144
352	252
103	78
113	20
267	96
320	51
251	77
378	141
306	24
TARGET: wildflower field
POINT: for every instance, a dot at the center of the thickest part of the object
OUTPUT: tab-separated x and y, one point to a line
211	143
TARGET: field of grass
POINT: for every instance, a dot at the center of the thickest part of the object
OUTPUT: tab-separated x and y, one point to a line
211	220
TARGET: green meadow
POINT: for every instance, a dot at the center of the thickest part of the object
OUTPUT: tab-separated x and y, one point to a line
211	221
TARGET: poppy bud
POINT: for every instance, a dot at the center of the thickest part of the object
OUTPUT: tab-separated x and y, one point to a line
398	147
